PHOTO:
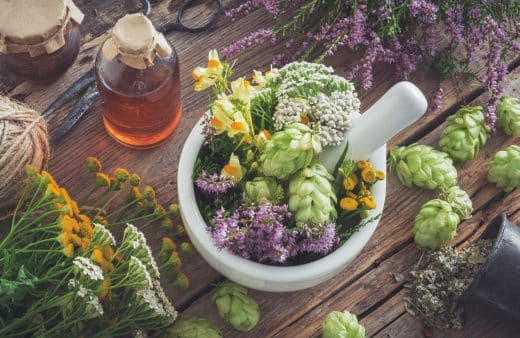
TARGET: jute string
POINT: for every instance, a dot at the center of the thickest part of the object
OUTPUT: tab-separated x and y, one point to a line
23	141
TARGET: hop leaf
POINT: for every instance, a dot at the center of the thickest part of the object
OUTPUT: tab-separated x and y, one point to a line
192	327
504	169
236	307
263	190
435	225
342	324
459	201
508	112
423	166
289	150
465	133
312	198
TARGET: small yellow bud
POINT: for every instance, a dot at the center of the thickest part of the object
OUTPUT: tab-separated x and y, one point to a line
93	165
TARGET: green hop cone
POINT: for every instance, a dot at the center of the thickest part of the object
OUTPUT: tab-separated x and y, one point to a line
236	307
263	190
508	112
289	150
423	166
459	201
465	133
312	198
342	324
436	224
504	169
191	327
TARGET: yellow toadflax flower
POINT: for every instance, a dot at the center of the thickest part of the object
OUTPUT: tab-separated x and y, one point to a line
242	90
233	169
207	77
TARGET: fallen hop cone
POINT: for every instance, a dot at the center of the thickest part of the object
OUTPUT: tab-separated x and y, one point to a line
342	324
435	225
235	306
311	196
459	201
508	112
423	166
289	150
465	133
192	327
504	169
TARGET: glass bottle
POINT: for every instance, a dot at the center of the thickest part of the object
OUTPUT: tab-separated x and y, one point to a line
39	39
138	77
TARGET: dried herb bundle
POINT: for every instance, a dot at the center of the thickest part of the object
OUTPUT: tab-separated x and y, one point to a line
438	281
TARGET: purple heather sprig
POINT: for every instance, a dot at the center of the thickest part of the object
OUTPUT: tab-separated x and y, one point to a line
319	240
213	184
396	33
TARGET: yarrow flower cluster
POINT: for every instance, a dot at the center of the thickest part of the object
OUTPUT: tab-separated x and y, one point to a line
399	34
259	233
88	269
312	94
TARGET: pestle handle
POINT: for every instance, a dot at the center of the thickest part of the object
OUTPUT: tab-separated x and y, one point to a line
398	108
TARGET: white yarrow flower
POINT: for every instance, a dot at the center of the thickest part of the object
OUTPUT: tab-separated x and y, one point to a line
87	268
102	236
137	269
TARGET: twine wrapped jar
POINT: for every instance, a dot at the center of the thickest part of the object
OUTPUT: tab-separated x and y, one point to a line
39	39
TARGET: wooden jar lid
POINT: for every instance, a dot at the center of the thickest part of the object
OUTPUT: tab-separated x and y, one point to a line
135	42
35	26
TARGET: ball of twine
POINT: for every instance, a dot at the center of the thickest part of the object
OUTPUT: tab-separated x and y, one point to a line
23	141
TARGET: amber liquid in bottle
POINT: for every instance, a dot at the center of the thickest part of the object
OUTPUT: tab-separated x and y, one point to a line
141	108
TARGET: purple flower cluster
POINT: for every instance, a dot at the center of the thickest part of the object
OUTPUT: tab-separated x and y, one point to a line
258	233
255	38
213	184
402	34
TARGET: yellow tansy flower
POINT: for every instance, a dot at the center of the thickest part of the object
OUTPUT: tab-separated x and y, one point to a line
68	250
363	164
380	175
105	287
98	257
368	175
368	202
75	239
348	204
67	223
50	178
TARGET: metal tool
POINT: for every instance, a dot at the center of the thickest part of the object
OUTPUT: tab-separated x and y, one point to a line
87	80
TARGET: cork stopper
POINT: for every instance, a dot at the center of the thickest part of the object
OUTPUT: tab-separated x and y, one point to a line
35	26
135	42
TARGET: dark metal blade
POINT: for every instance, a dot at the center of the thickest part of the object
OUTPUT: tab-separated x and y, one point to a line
77	87
76	113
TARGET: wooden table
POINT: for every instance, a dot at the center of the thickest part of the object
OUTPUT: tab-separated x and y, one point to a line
366	287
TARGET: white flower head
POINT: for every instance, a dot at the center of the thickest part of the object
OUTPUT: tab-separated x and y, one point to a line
88	269
167	305
139	272
94	308
102	236
149	298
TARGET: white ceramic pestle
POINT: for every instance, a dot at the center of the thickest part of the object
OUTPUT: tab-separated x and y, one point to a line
399	107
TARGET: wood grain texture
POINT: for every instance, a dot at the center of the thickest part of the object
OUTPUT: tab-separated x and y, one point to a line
366	286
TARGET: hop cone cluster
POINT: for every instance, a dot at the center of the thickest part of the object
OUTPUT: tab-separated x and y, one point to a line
423	166
289	150
508	112
436	224
342	324
465	133
504	169
459	201
236	307
192	327
311	196
263	190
